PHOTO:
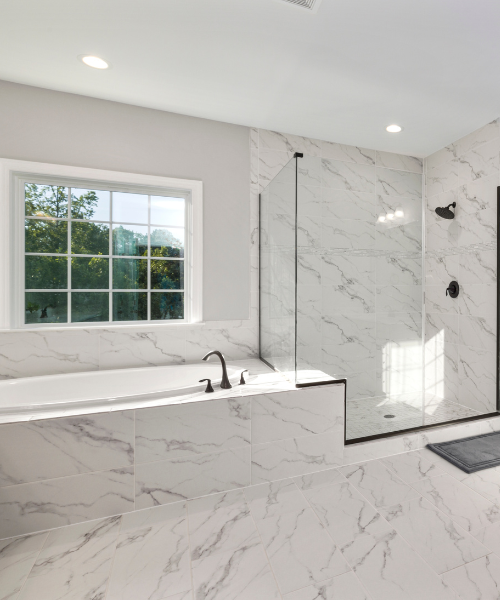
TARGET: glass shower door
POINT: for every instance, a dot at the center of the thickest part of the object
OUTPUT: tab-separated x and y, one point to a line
278	231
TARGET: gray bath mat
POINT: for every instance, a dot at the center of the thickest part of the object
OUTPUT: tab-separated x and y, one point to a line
471	454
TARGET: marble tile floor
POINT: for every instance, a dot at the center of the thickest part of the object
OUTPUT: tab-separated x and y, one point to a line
407	527
366	417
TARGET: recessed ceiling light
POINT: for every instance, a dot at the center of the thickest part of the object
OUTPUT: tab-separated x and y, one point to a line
95	62
393	128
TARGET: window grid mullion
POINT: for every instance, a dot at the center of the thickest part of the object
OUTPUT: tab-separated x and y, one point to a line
110	254
149	261
69	255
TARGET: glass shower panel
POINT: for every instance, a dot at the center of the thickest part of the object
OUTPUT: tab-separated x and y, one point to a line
278	271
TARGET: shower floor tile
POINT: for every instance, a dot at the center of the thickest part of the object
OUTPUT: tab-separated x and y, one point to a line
370	416
387	529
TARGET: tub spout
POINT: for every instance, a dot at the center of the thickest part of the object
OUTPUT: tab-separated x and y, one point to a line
225	385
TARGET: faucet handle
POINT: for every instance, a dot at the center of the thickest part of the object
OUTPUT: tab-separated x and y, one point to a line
209	389
242	379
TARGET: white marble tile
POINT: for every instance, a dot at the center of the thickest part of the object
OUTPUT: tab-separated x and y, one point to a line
342	587
52	503
348	153
309	269
309	231
400	335
359	385
478	300
490	537
120	350
378	484
481	161
274	140
478	267
478	194
467	508
51	448
293	457
413	466
399	238
319	479
479	228
437	301
348	234
296	414
477	332
347	358
188	429
74	563
442	178
348	176
398	298
152	555
279	199
346	204
476	374
243	574
399	183
345	513
234	343
401	162
254	137
345	331
345	299
274	499
220	523
479	580
309	170
347	269
163	482
32	353
381	560
271	165
478	137
309	200
300	550
442	236
441	156
442	269
442	328
17	557
440	542
396	270
486	483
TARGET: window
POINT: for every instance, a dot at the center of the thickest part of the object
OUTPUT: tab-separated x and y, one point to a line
99	253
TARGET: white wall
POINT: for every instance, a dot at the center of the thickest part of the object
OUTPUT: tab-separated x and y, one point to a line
461	332
52	127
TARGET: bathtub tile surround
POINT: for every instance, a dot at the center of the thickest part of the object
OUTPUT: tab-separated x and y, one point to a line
59	471
460	342
322	535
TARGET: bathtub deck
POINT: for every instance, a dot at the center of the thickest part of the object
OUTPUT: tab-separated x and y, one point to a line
360	532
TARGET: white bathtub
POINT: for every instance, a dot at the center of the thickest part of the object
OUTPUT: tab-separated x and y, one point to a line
80	393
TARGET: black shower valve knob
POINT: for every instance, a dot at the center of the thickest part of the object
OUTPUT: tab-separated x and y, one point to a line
453	289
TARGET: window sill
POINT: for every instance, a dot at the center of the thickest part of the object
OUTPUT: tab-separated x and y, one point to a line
107	327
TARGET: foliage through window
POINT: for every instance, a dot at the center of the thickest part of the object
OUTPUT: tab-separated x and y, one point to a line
97	255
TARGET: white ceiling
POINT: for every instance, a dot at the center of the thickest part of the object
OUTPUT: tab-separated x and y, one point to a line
341	74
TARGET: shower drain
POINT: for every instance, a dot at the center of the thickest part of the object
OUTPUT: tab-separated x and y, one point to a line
389	416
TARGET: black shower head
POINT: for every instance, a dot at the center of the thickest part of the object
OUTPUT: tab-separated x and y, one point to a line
445	212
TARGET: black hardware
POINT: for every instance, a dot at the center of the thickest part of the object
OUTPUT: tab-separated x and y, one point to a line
242	379
453	289
225	385
445	212
209	389
298	155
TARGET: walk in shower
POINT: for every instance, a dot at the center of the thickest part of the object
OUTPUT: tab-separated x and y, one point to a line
342	292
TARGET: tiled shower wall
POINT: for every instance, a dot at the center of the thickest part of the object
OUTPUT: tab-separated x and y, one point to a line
460	353
359	280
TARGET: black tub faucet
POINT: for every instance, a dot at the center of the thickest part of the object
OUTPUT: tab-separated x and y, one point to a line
225	385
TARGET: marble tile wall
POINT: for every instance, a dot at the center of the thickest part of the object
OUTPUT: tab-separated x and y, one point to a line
359	297
460	347
57	472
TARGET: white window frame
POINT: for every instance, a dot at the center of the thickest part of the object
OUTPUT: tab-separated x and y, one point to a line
13	174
